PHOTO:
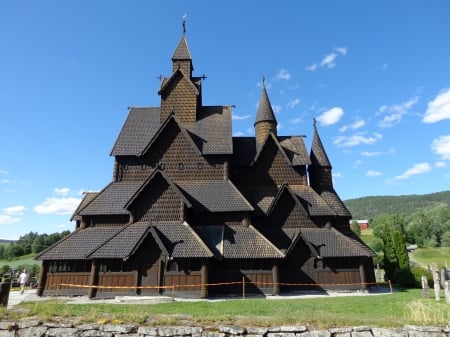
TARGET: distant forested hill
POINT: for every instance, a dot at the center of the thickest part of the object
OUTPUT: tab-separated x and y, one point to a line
368	207
4	242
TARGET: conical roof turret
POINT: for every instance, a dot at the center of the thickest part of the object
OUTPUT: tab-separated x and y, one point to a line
265	121
318	155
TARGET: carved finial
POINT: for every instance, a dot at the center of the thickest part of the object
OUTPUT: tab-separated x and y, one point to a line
314	121
264	81
184	23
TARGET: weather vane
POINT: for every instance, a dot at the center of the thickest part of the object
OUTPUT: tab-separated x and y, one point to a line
184	23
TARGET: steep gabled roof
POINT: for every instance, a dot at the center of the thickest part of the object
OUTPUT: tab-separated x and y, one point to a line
284	189
177	75
88	197
181	241
329	242
271	138
78	244
311	201
212	130
155	175
318	155
122	244
112	199
238	242
214	196
139	128
293	147
169	120
335	202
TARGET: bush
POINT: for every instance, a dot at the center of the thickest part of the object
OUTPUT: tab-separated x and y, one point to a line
417	273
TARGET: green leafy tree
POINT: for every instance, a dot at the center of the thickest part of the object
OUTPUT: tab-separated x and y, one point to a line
354	226
390	262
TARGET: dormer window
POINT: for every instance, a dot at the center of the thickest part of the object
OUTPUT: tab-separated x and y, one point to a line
200	166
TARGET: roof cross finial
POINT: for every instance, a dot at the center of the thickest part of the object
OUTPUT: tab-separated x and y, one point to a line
314	121
184	23
264	81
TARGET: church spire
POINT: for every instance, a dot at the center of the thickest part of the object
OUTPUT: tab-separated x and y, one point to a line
182	57
265	121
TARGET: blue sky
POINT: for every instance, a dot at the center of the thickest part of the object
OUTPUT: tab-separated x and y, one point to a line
375	74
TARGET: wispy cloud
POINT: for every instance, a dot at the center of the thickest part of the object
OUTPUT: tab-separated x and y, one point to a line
4	172
11	215
419	168
440	164
376	153
60	206
331	116
15	210
441	146
439	108
239	117
329	60
282	75
394	113
373	173
296	121
357	139
354	126
61	191
293	103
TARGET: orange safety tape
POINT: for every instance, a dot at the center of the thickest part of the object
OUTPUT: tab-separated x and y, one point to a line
218	284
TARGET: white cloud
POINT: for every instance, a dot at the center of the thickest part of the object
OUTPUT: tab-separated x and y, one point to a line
329	60
337	175
371	154
276	108
238	134
6	219
331	116
282	74
239	118
295	121
394	113
419	168
373	173
15	210
440	164
439	108
60	206
293	103
4	172
357	139
61	191
441	146
355	125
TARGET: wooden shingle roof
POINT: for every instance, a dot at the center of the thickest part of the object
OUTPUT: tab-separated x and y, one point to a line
238	242
79	244
112	199
329	242
265	111
335	202
311	201
139	128
214	196
123	243
181	241
182	51
212	130
318	155
88	197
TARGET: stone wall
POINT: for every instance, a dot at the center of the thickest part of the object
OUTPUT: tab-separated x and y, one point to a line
39	329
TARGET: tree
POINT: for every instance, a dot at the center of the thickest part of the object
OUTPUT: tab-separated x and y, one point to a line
354	226
390	259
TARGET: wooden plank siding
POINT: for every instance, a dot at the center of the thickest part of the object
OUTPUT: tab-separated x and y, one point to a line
55	281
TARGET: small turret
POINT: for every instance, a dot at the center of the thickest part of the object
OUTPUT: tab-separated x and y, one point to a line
320	169
265	121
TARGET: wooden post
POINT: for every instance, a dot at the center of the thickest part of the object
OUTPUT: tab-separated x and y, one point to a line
42	278
275	280
362	276
204	278
92	279
437	281
243	287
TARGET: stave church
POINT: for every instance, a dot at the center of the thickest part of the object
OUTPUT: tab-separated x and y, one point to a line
192	211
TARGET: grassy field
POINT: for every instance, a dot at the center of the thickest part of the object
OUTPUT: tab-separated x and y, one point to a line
367	236
27	259
386	310
427	256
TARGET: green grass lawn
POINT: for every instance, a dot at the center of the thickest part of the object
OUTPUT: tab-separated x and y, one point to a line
26	259
427	256
387	310
367	236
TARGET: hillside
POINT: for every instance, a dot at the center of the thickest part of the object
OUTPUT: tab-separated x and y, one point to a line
368	207
4	242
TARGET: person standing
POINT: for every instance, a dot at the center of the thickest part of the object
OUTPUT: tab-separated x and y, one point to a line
23	278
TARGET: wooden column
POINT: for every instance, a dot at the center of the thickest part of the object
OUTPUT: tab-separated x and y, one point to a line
275	279
42	278
93	279
362	276
204	278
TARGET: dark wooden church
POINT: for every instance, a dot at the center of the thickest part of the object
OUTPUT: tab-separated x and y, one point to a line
193	211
